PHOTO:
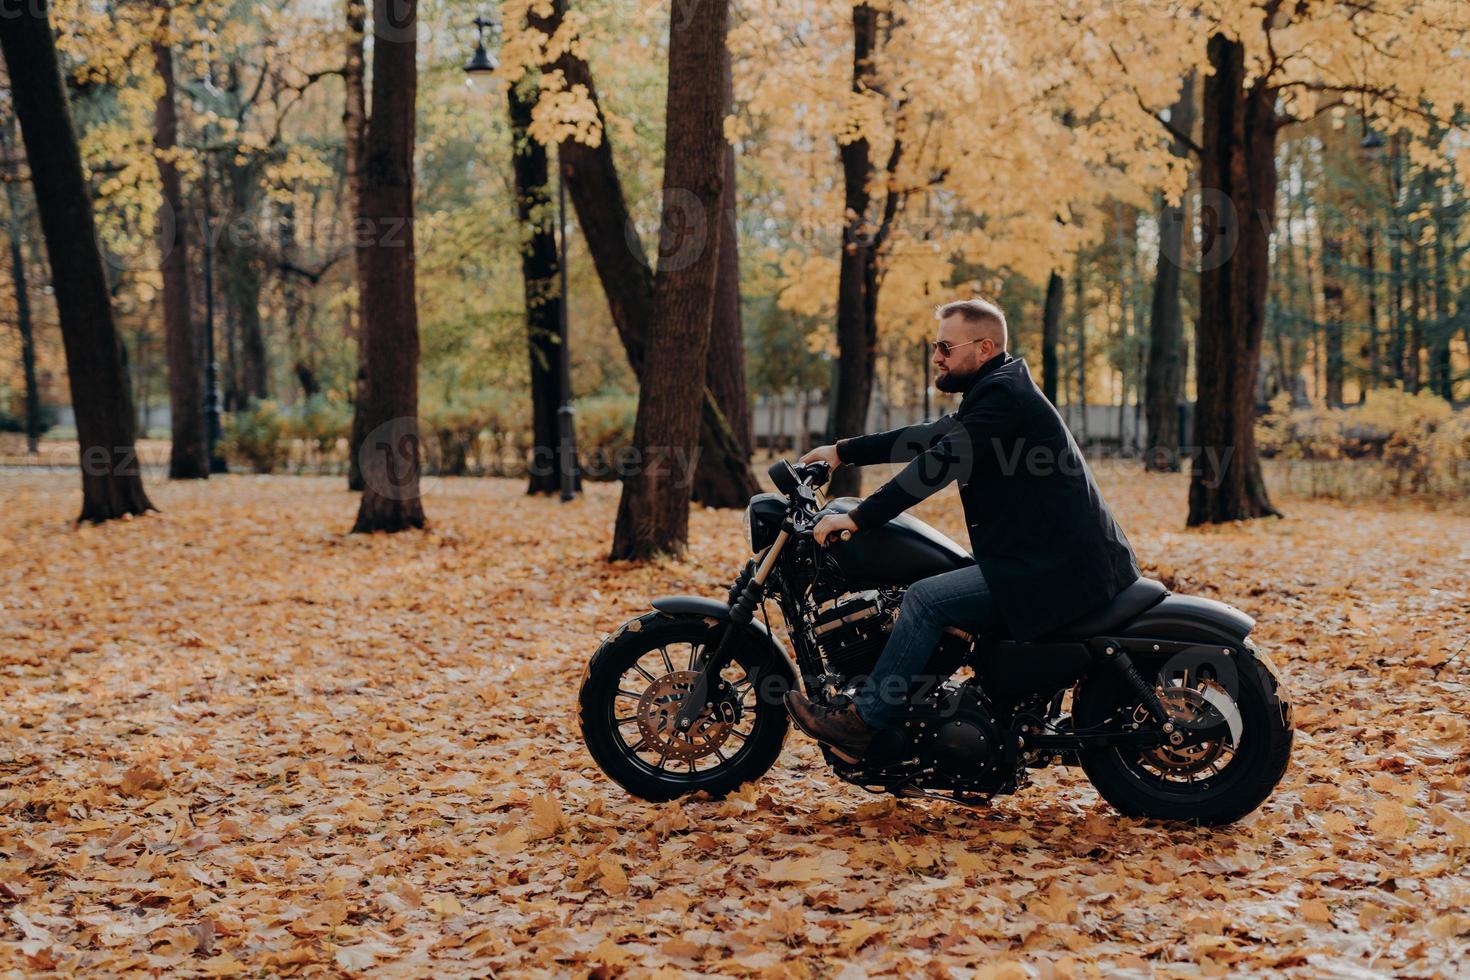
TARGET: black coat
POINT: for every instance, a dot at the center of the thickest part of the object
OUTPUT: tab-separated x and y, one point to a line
1045	541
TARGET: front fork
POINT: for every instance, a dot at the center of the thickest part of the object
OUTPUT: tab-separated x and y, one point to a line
742	611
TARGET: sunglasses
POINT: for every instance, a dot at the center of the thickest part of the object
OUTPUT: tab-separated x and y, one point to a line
944	348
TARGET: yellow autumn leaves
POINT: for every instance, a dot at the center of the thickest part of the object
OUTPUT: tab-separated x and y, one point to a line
270	747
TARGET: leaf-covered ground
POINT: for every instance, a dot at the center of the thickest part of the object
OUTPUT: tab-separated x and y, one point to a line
238	740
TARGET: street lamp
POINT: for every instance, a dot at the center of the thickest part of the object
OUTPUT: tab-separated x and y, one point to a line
480	69
481	73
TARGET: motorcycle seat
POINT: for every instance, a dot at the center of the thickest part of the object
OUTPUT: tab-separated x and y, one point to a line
1119	611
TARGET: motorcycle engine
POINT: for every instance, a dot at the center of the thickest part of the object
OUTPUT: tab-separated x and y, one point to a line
967	742
852	630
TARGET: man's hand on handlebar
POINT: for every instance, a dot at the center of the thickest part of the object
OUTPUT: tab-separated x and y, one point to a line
822	454
833	524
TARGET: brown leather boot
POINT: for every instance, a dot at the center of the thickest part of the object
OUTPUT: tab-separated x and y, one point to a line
843	729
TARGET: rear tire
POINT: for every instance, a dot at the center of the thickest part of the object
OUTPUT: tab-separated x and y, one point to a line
1137	786
663	646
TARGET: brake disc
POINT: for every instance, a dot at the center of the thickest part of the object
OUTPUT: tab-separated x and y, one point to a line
659	707
1190	708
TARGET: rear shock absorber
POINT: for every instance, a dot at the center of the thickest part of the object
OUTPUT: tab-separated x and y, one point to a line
1148	695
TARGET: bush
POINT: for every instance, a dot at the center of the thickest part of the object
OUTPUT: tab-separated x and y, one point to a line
1413	444
486	434
322	424
260	436
604	430
13	412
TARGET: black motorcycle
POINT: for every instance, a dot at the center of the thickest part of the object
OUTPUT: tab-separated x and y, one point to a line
1162	699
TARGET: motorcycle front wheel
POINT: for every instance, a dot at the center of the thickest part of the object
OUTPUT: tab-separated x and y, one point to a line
633	690
1212	783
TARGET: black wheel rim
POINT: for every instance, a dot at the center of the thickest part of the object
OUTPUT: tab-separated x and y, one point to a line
648	693
1195	770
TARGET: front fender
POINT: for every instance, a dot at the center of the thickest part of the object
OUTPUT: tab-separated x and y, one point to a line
693	605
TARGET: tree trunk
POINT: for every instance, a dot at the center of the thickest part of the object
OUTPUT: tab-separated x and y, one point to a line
390	452
354	125
1051	332
1397	343
241	259
772	422
804	421
617	252
717	483
596	192
1332	313
1164	376
1440	375
16	227
1079	319
232	396
1237	166
1288	294
857	340
653	514
1413	378
189	453
111	480
542	289
1370	265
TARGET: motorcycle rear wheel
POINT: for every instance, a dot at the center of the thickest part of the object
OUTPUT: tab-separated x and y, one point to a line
1210	784
635	686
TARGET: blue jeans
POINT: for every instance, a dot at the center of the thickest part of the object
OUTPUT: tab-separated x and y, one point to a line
959	598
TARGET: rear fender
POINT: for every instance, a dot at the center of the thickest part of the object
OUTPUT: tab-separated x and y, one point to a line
1191	619
1230	661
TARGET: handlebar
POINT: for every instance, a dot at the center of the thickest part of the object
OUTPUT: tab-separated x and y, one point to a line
814	475
799	483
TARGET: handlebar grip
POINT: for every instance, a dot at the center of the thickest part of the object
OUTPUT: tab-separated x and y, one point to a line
816	472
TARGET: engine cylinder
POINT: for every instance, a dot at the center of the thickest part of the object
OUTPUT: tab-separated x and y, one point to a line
852	631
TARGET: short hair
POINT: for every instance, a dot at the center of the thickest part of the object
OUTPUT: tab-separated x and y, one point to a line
978	311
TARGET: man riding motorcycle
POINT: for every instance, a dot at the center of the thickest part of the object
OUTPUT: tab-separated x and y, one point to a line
1047	548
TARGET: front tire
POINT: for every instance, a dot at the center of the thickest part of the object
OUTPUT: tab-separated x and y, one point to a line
636	684
1212	784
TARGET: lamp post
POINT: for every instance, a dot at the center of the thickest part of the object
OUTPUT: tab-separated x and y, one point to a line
481	73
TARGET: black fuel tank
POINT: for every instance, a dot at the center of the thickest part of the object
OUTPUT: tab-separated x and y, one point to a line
899	553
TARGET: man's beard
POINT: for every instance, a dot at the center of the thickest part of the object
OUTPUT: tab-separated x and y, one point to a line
954	381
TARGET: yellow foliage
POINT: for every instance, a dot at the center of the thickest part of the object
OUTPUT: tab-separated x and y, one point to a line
1421	443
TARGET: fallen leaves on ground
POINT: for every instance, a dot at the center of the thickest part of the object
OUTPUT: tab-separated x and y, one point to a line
238	740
